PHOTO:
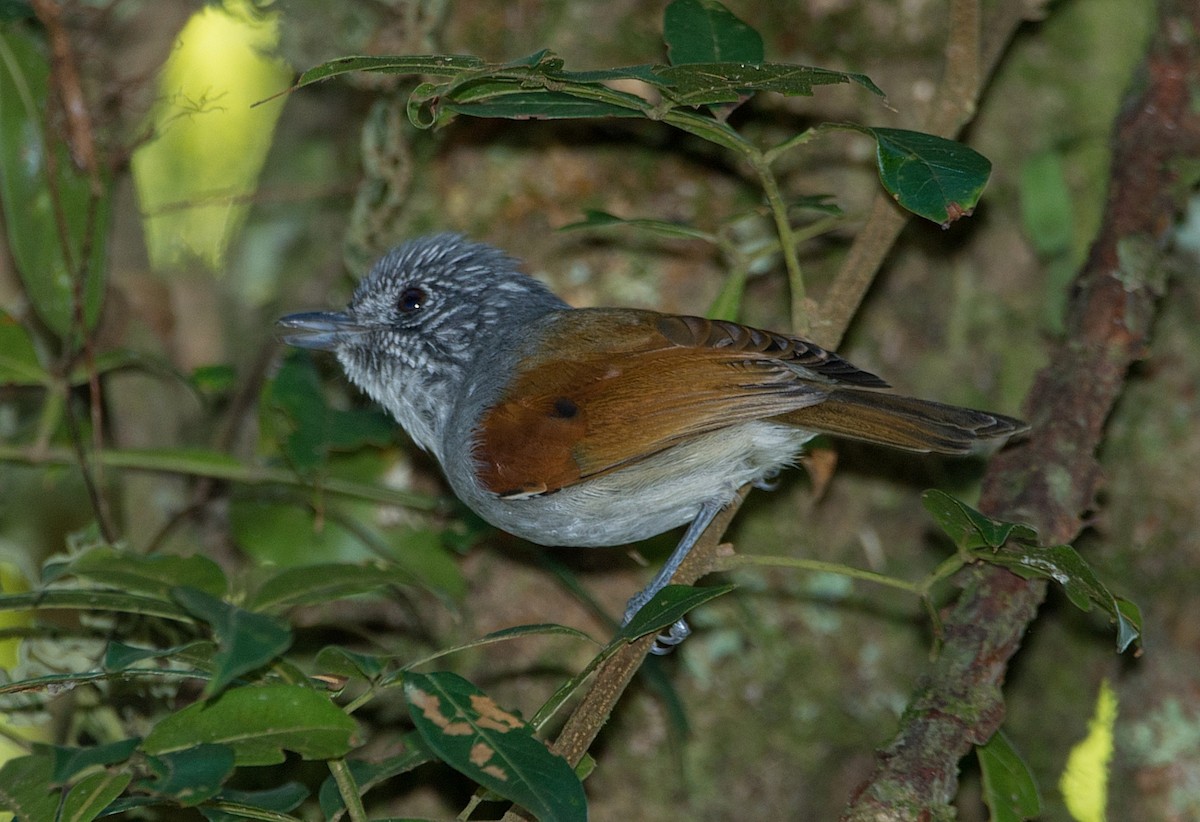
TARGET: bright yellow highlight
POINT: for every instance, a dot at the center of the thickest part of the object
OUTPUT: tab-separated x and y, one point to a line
195	178
1084	783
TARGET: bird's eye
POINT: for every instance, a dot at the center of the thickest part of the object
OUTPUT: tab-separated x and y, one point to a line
412	299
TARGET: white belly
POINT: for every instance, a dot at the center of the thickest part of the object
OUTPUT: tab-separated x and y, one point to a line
649	497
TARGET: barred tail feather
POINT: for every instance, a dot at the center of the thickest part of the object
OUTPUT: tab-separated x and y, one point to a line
905	422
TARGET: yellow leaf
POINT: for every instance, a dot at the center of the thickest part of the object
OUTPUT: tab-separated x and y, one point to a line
1084	783
195	178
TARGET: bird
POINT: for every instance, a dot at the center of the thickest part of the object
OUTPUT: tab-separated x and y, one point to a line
587	427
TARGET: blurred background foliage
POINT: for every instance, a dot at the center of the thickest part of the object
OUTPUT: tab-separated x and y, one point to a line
208	218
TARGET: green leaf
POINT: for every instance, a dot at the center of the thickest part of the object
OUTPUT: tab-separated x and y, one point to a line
1047	205
89	797
193	774
11	10
513	103
322	583
286	535
315	428
214	379
594	218
18	360
704	31
93	796
68	762
259	723
118	656
245	640
1064	565
25	788
492	746
697	84
281	799
1009	789
933	177
968	528
438	65
668	606
49	213
334	659
153	574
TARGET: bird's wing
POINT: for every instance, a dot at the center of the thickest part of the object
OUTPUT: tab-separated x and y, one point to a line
609	388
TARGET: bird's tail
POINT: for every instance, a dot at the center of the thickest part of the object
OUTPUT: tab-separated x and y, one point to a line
905	422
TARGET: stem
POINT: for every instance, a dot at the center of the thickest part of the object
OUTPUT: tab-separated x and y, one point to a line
742	560
762	167
348	788
216	466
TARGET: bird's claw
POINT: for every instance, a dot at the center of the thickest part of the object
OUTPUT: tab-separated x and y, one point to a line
665	643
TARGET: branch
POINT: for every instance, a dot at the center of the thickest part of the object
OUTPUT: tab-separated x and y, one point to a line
1051	479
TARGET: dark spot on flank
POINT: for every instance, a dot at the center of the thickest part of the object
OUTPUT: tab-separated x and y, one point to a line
564	409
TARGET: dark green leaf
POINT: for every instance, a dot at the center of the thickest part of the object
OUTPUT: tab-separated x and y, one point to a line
704	31
1064	565
11	10
669	605
193	774
968	528
153	574
697	84
933	177
69	762
84	600
245	640
18	360
492	746
282	799
515	104
25	787
322	583
1009	789
334	659
47	204
315	428
89	797
259	723
118	656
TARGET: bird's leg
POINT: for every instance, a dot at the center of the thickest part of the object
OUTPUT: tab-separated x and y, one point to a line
680	631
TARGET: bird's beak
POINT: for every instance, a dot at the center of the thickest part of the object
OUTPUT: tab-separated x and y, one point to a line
325	330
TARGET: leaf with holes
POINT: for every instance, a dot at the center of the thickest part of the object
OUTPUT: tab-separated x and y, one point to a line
493	746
